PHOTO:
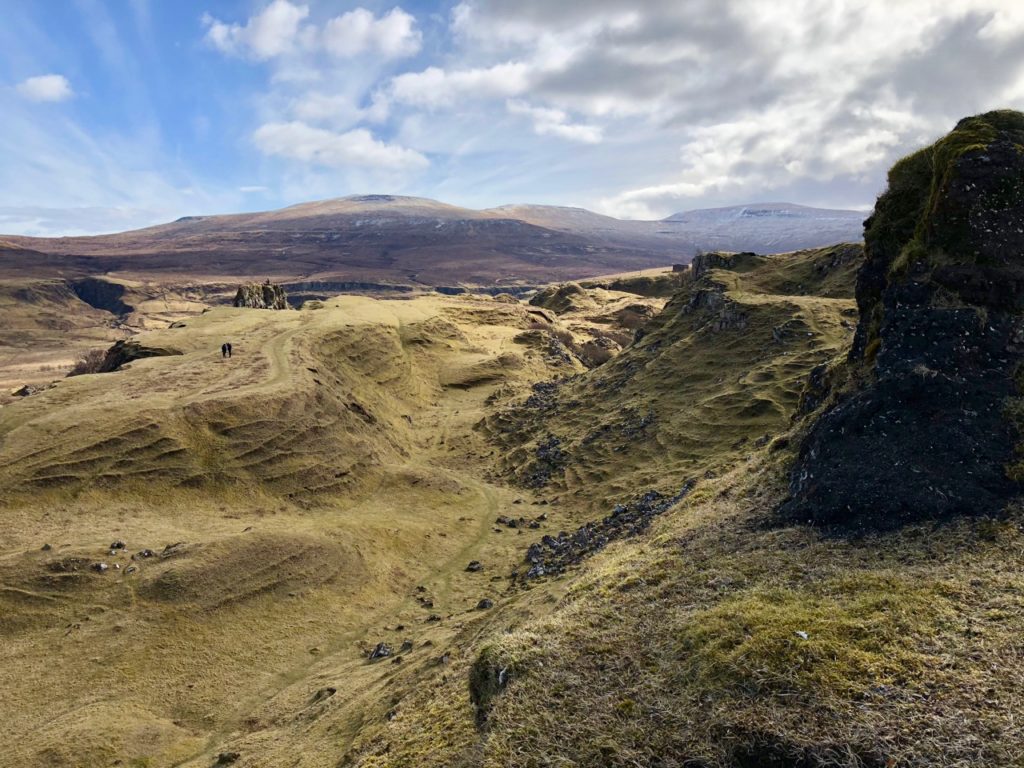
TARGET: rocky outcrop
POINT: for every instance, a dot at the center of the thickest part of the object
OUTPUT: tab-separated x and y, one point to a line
569	297
704	262
261	296
102	294
924	421
124	352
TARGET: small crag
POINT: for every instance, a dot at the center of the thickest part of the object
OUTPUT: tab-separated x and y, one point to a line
923	417
261	296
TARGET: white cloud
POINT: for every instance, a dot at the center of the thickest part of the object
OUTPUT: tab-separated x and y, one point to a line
555	122
274	31
393	35
767	149
253	189
278	30
680	103
435	87
338	109
358	147
46	88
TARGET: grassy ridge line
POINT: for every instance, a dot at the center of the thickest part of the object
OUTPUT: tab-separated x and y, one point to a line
721	367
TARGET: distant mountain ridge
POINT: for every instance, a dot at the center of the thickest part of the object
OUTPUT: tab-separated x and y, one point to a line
419	241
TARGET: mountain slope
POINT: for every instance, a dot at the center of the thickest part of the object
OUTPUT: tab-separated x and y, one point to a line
774	227
404	240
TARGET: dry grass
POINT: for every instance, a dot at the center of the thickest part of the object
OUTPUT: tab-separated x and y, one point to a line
329	488
315	480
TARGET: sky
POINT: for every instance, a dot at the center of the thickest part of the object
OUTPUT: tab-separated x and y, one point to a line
116	114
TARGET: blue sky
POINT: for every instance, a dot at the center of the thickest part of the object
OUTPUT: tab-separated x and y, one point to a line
124	113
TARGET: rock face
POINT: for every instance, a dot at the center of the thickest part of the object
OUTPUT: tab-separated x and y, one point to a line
257	296
922	421
124	352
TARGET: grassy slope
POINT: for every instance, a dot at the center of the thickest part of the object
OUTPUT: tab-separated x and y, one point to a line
691	396
684	647
314	480
676	648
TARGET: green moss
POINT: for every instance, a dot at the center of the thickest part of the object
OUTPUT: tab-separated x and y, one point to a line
782	642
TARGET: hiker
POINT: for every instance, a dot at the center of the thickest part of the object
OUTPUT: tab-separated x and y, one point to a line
225	349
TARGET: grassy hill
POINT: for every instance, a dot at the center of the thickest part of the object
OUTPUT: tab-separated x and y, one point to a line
331	482
283	511
465	531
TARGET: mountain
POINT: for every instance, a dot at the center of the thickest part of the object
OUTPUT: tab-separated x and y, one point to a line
387	239
774	227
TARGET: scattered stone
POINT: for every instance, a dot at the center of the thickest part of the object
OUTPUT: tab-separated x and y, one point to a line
100	567
46	548
396	660
380	651
474	566
549	460
406	646
131	569
324	693
145	554
227	758
118	544
433	617
485	604
171	550
553	554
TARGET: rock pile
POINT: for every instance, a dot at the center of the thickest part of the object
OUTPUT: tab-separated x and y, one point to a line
553	554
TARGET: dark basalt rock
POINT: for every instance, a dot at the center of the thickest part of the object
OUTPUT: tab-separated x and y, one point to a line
554	554
923	427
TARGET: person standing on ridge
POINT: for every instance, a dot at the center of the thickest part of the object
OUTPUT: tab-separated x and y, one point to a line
225	349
